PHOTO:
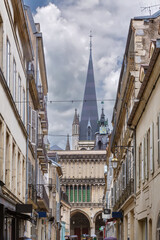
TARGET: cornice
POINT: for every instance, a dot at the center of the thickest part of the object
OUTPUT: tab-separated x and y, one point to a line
78	181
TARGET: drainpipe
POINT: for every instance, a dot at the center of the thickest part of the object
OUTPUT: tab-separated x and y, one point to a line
26	195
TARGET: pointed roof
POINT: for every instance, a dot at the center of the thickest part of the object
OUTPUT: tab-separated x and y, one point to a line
67	144
76	118
89	108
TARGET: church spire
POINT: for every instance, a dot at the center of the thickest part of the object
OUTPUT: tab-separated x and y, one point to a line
89	108
67	144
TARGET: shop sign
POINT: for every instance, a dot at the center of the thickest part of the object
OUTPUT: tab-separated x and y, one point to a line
42	214
117	215
24	208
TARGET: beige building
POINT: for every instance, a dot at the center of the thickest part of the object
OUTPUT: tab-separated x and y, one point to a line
145	119
124	137
83	181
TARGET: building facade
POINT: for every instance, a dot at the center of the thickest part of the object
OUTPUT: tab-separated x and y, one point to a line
126	137
15	53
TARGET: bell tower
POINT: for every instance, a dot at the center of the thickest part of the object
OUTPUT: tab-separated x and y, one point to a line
75	131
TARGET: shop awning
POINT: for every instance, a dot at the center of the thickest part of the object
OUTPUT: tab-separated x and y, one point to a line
18	215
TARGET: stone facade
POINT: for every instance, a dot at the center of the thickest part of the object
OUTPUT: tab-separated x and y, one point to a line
83	182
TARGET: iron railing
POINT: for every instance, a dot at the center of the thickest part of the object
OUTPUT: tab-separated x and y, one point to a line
42	194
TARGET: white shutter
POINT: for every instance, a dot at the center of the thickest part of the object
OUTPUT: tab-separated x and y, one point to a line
152	147
146	156
123	175
138	165
143	160
34	114
30	123
159	139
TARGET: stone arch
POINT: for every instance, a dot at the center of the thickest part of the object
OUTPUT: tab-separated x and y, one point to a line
95	216
81	211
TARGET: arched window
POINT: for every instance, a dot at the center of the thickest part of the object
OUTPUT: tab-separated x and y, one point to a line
89	133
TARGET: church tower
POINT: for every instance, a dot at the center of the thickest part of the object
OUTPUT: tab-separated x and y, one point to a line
89	115
75	131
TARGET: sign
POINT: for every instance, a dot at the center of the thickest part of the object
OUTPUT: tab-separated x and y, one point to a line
24	208
117	215
106	216
107	211
42	214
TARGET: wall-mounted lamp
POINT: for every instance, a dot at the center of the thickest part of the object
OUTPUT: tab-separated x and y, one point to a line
114	162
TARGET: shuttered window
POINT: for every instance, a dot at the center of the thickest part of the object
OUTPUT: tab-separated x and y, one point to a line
159	139
33	127
67	191
123	176
145	156
142	174
84	194
75	194
79	194
152	148
138	166
71	194
112	198
88	194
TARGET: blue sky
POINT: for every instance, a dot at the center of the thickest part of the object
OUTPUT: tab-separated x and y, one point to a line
65	25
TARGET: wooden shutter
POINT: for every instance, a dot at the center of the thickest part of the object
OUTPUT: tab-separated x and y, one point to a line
145	156
152	148
34	114
143	160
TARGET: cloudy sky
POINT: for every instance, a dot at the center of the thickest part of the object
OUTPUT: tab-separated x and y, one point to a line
66	25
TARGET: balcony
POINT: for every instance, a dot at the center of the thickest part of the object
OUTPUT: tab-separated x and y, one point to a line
126	193
41	153
86	204
32	85
44	122
42	198
32	195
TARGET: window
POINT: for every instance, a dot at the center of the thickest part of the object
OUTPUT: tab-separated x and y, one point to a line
19	94
67	191
159	139
84	194
24	104
8	62
71	194
75	194
142	160
14	80
88	194
151	146
79	194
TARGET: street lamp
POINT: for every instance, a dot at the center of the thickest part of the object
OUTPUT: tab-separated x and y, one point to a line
114	162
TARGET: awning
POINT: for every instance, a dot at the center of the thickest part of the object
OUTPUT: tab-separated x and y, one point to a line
18	215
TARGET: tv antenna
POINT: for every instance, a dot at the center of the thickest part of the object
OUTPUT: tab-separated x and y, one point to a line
149	8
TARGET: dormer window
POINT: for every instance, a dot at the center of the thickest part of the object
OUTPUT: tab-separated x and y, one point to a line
152	48
142	73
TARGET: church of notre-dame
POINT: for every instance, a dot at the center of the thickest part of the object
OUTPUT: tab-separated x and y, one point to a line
83	177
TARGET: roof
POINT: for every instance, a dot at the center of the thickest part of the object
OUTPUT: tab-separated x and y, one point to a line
155	15
89	108
55	147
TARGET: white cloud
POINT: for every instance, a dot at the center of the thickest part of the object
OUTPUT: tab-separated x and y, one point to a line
65	29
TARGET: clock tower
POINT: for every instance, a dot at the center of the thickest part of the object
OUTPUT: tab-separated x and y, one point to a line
102	135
